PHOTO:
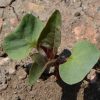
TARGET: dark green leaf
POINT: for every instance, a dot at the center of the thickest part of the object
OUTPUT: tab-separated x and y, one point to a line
84	57
38	58
51	36
39	65
20	42
37	68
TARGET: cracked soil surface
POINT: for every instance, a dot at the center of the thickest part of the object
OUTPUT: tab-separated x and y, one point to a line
80	20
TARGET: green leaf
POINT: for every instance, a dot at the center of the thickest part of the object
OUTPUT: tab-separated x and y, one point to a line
51	35
39	58
84	57
20	42
37	68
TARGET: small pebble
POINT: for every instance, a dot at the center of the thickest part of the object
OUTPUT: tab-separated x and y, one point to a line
4	61
52	69
92	77
39	80
12	69
21	74
15	92
52	78
77	14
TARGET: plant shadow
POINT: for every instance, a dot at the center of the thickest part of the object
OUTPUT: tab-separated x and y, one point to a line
92	92
69	92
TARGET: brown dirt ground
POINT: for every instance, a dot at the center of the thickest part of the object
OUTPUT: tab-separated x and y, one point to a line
80	20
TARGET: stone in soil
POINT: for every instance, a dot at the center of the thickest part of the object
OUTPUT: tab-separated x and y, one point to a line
12	69
92	77
21	74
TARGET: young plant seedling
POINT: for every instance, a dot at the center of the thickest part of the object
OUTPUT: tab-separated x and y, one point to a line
33	33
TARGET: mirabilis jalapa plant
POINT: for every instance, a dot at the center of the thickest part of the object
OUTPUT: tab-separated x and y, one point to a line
33	33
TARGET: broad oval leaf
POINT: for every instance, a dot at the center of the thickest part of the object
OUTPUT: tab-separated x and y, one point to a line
37	68
84	57
51	35
20	42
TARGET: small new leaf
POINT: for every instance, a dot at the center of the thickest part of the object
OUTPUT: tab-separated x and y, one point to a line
84	57
37	68
20	42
